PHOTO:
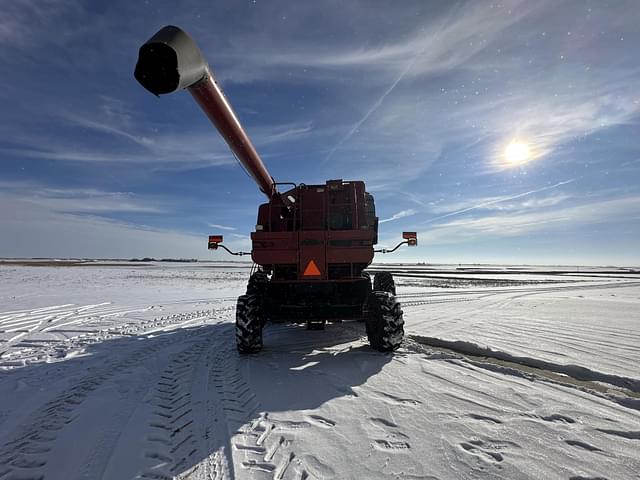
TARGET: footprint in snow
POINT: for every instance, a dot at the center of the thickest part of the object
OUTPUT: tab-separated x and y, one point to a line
394	441
474	448
382	422
395	400
556	417
391	446
581	477
390	428
316	468
491	451
321	422
582	445
630	435
484	418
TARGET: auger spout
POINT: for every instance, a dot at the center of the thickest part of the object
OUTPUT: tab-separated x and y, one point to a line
171	61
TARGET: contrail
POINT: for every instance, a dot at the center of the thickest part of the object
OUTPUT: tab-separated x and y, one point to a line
492	202
374	107
400	214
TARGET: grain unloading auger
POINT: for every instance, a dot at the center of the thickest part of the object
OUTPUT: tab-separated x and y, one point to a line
311	242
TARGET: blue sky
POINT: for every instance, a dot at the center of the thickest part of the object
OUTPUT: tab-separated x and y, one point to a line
419	99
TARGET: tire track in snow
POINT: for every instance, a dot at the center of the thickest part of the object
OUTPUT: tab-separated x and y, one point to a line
18	457
26	454
182	423
261	446
428	298
543	330
526	367
203	389
60	349
42	320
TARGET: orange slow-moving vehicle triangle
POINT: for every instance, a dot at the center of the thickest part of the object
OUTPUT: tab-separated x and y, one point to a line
311	270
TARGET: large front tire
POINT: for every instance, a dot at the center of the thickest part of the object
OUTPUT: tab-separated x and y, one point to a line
385	324
383	282
249	323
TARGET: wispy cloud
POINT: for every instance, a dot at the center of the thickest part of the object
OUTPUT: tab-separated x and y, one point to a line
544	92
373	107
444	42
103	127
221	227
546	121
443	45
284	133
400	214
21	20
518	224
123	140
25	225
493	202
78	200
419	101
74	225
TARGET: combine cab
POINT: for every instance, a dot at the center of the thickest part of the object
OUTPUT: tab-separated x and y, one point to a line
312	243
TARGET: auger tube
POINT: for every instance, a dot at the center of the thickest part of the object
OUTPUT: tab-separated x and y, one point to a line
171	61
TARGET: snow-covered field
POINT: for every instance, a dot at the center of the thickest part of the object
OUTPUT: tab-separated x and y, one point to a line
123	371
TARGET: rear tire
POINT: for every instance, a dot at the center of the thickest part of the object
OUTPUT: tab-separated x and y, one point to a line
366	276
249	322
383	282
385	324
257	284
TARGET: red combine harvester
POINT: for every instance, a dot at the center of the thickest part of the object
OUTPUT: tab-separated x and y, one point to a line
312	243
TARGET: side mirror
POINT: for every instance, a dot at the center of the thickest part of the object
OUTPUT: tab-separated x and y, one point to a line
214	240
411	238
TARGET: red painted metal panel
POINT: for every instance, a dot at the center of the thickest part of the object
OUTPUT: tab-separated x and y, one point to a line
274	248
312	249
327	225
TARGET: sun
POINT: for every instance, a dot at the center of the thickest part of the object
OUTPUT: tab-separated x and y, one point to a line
517	153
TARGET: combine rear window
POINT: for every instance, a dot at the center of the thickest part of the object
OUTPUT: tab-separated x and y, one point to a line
340	218
341	205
